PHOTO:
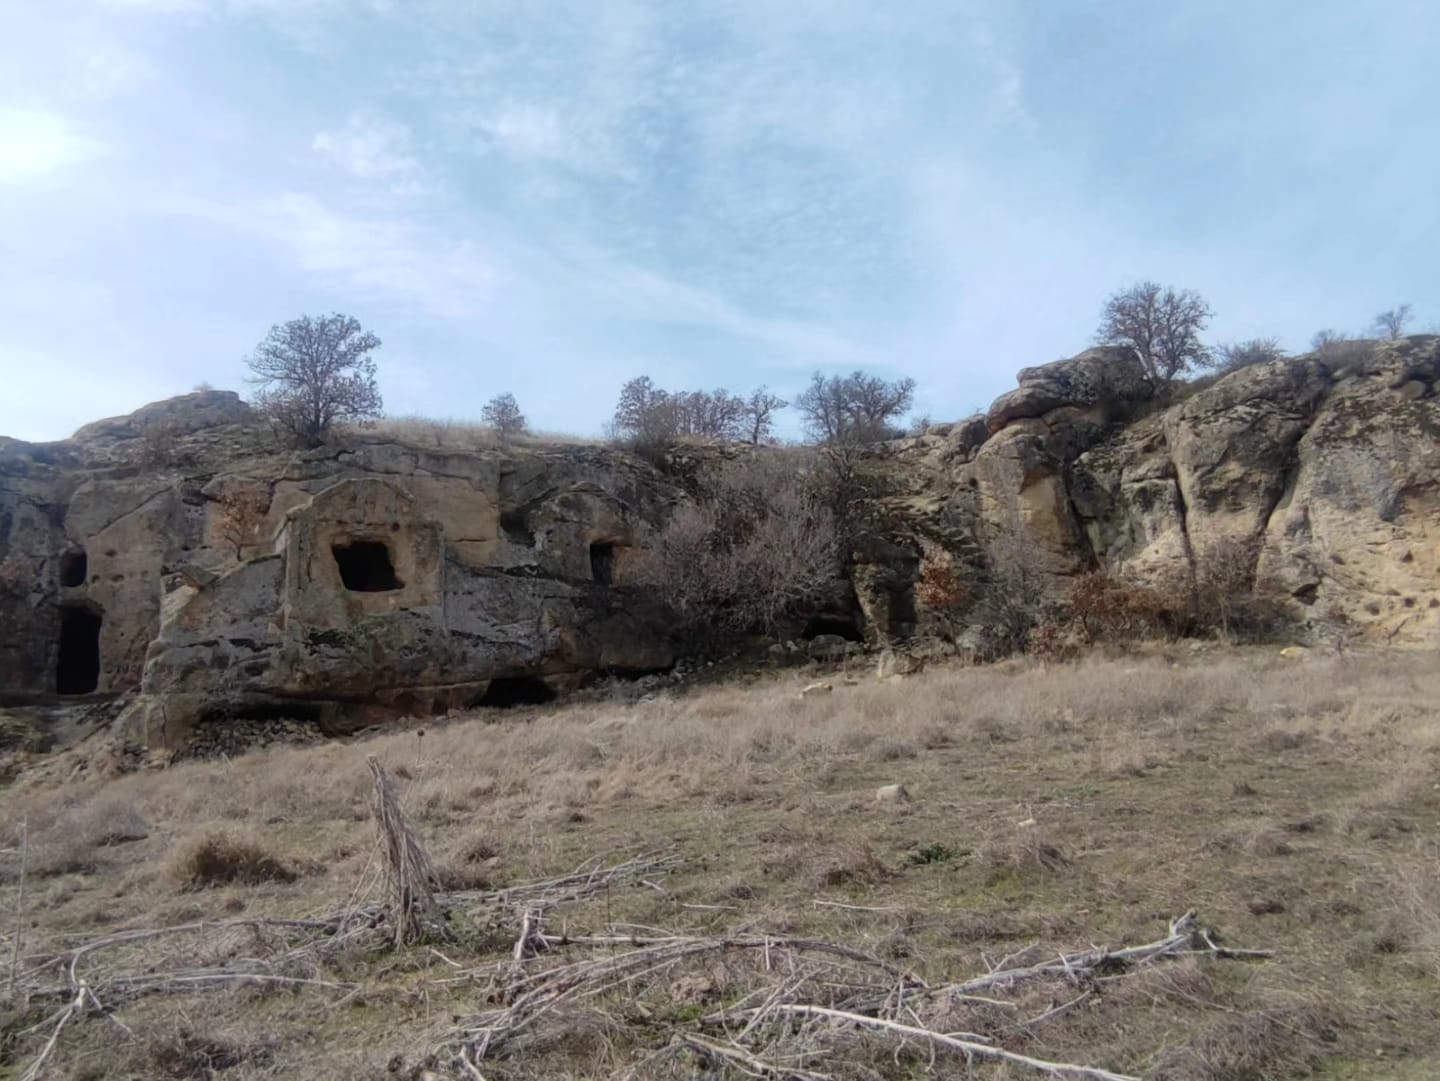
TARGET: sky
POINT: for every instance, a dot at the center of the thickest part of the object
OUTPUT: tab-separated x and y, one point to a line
549	197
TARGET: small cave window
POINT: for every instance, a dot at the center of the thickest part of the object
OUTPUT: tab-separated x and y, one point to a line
77	667
74	566
517	691
365	566
602	562
516	529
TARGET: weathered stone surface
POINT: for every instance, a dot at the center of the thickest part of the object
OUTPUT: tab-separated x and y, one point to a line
481	570
499	564
1331	472
181	416
1108	376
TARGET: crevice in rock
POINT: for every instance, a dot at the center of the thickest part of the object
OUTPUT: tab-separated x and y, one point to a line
1183	512
1290	469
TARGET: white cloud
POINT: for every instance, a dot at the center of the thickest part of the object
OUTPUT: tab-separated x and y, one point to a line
635	293
538	133
373	148
35	144
386	258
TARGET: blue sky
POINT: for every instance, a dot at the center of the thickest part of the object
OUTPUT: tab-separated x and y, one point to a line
549	197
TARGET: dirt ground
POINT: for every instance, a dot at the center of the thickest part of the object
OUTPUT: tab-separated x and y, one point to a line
1292	803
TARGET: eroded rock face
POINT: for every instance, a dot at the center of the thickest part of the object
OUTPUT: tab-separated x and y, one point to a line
345	584
1107	376
1329	472
374	578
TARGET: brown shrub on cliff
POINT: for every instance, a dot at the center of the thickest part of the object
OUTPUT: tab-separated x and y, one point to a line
757	546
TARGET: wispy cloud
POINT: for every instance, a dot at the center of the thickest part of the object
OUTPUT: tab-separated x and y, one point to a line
34	144
373	148
385	259
534	132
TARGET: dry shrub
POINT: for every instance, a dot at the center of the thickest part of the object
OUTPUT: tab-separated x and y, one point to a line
1227	597
940	591
1051	642
1013	602
1253	1046
242	513
1109	609
758	546
220	859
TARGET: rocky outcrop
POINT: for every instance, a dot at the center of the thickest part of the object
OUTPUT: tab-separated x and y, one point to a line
361	580
217	577
1329	472
1107	378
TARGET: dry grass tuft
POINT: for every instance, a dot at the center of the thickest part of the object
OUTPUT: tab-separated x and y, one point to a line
861	866
185	1055
1018	853
222	859
1253	1046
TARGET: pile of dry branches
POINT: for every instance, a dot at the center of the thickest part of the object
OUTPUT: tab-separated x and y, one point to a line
799	1001
760	1004
394	903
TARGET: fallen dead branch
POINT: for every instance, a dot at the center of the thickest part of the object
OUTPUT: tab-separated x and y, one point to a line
971	1049
97	975
807	994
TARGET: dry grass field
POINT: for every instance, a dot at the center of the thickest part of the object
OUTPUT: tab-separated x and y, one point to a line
1293	804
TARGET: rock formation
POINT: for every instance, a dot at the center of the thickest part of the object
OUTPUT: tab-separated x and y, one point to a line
179	554
364	579
1328	469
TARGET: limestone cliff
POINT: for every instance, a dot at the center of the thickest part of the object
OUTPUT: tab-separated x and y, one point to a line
362	579
179	554
1330	469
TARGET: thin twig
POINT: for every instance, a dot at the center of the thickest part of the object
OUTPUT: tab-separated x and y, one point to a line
969	1048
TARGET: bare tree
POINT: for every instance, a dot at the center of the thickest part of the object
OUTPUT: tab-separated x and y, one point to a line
1232	356
760	410
759	545
715	414
649	416
1391	324
1324	341
1161	324
503	414
314	371
855	408
644	413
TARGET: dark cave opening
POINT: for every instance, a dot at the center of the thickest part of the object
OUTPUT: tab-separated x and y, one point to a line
517	691
74	566
832	624
602	562
516	529
77	668
365	566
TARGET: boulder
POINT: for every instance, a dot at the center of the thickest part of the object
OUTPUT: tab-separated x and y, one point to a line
1108	376
183	415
